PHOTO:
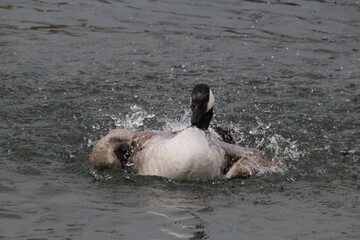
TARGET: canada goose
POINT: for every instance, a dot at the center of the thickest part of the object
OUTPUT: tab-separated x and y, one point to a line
191	154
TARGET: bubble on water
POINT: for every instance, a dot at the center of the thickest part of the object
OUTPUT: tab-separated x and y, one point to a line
99	176
90	143
96	127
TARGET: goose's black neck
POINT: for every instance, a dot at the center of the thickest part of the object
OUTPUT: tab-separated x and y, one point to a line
205	120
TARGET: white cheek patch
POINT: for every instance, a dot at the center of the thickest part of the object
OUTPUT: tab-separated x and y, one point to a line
211	101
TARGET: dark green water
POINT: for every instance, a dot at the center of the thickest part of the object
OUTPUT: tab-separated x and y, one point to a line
286	78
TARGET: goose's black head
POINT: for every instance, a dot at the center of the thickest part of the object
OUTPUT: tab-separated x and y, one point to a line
202	103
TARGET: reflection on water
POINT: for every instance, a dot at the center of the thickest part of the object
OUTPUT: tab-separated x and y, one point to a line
285	76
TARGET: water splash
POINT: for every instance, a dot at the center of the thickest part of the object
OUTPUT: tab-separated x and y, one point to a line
133	120
274	144
263	137
174	125
281	147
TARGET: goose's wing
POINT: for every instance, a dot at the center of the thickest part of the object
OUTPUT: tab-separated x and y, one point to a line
225	134
112	150
245	162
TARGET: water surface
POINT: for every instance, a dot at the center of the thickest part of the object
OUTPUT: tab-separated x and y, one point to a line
285	75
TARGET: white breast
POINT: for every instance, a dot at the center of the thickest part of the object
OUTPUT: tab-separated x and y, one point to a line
190	155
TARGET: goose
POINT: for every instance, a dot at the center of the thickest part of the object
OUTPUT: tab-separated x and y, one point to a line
193	154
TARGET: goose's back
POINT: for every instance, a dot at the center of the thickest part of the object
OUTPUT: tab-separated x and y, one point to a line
189	155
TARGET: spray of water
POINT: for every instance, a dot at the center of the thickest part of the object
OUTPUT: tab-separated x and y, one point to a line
272	144
174	125
132	120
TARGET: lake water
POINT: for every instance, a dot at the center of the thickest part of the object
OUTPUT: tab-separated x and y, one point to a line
286	78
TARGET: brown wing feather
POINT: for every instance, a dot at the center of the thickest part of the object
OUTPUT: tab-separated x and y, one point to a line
113	150
226	134
246	162
109	149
